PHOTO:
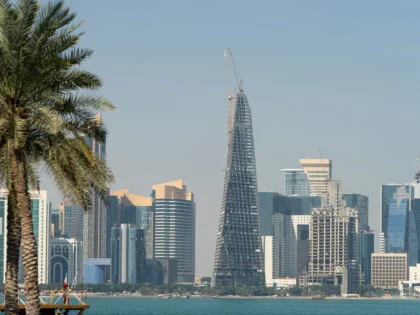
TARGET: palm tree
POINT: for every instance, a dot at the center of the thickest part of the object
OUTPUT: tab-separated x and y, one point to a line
45	119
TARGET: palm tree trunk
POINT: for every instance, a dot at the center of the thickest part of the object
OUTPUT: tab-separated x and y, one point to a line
13	246
28	242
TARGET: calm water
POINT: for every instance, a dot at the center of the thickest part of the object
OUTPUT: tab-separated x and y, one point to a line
125	306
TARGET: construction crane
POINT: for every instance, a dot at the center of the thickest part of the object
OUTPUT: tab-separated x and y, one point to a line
231	93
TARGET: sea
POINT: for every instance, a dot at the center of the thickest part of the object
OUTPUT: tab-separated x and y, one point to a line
204	306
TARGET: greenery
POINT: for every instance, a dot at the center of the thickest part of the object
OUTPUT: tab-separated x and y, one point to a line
44	120
183	289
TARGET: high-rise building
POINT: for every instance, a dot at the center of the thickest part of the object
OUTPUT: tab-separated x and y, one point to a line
65	260
54	222
387	195
366	248
41	226
286	218
388	269
174	227
319	172
71	220
3	233
296	182
94	221
128	254
136	210
239	257
361	203
415	211
267	241
397	222
333	249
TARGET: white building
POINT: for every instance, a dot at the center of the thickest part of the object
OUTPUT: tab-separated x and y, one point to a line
319	172
65	260
267	242
40	215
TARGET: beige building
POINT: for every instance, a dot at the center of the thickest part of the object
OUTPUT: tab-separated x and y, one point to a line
333	234
388	269
174	227
318	171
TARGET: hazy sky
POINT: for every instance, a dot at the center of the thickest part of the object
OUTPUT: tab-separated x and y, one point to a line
331	78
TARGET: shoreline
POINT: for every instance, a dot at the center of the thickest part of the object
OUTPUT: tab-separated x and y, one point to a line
334	298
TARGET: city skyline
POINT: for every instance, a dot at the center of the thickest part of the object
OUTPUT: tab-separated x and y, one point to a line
358	108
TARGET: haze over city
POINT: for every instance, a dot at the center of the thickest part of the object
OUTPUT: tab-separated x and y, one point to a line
337	81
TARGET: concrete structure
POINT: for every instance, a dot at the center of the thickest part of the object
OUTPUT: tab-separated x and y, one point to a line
267	242
366	248
174	227
95	221
282	283
414	273
128	254
296	182
333	250
388	269
65	260
361	203
133	209
319	171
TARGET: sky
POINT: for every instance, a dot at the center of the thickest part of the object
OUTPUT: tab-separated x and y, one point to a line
331	79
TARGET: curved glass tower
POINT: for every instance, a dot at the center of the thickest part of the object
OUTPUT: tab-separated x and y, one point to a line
239	257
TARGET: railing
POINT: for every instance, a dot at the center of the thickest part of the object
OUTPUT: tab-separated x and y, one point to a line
56	297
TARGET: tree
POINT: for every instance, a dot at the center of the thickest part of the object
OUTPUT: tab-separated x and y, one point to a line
45	118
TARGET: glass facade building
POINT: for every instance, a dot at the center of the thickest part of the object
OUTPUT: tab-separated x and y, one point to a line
361	203
174	227
397	232
366	247
296	182
239	256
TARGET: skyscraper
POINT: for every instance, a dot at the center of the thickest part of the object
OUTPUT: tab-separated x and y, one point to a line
136	210
128	254
366	248
239	257
94	225
71	220
361	203
333	249
387	195
296	182
319	172
397	222
174	227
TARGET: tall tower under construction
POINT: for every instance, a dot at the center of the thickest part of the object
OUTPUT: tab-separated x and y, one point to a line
239	258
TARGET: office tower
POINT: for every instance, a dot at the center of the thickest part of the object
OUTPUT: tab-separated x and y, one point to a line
289	218
65	260
296	182
397	222
3	233
41	226
319	172
270	202
133	209
239	257
387	195
333	235
361	203
174	227
153	272
267	241
388	269
54	222
366	248
128	254
95	270
71	219
94	221
415	210
169	269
